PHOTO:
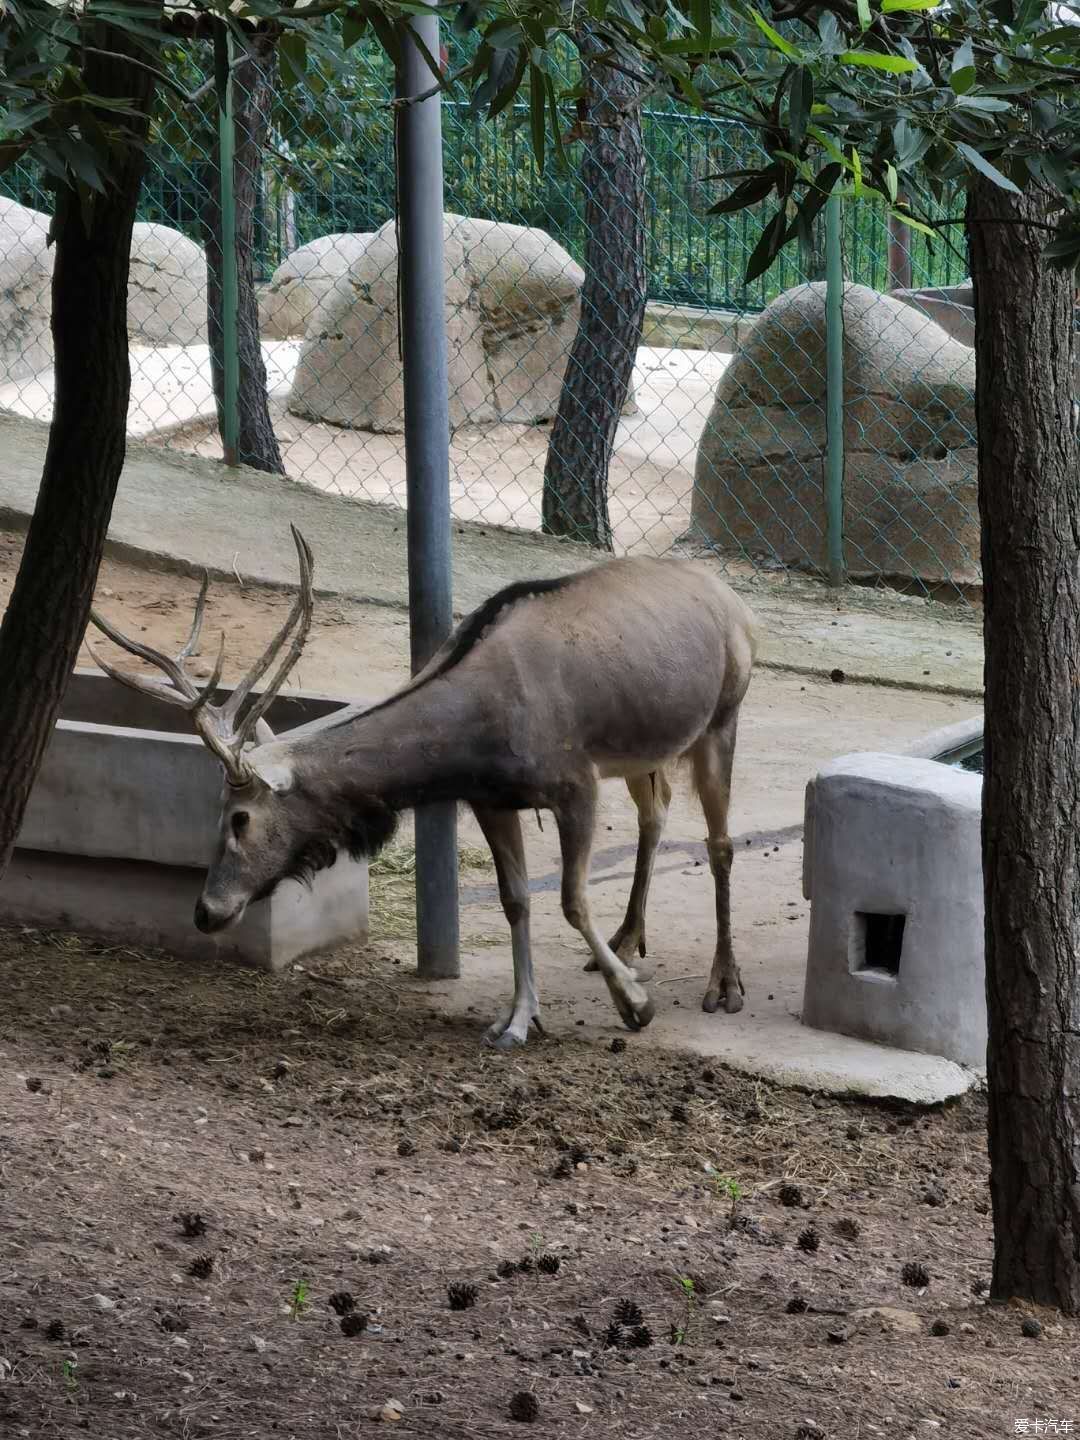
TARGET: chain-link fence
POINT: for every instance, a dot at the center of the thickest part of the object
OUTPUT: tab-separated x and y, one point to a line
721	442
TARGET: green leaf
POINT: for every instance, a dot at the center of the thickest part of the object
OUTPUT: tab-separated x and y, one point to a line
912	223
292	58
987	104
353	25
893	64
767	248
865	18
701	12
984	167
750	192
800	104
537	116
890	7
775	38
891	185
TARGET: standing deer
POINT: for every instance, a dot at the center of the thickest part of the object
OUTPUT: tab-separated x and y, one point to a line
544	691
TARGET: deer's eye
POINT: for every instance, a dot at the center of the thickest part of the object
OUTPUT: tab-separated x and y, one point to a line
239	823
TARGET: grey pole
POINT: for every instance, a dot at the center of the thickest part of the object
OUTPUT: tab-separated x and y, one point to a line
427	459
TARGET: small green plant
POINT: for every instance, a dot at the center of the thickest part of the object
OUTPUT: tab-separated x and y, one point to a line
680	1329
300	1299
728	1188
69	1371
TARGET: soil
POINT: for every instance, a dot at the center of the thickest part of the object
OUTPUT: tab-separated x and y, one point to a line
333	1134
337	1138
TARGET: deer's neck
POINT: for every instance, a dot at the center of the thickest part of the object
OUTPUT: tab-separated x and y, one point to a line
421	747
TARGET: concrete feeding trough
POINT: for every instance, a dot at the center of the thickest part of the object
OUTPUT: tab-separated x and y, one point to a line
122	824
892	867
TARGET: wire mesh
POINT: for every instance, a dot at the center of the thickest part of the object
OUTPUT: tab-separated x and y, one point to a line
720	445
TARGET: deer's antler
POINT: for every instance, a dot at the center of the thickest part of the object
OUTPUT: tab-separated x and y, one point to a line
220	726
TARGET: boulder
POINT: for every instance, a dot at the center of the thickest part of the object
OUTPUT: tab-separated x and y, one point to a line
166	287
512	302
26	263
910	473
301	281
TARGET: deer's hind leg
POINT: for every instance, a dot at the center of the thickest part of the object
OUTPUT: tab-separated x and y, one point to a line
712	758
652	796
575	815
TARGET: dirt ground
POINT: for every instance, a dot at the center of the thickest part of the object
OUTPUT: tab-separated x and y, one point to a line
340	1133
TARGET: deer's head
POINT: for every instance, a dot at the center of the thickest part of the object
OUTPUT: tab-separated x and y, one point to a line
273	826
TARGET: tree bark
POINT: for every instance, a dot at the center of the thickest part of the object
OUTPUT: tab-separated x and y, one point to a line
1029	502
50	601
601	363
253	80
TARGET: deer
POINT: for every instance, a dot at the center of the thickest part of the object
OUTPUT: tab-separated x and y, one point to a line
622	670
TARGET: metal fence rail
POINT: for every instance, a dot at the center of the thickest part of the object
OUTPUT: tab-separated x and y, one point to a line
723	443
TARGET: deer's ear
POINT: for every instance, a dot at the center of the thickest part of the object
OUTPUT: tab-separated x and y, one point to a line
277	775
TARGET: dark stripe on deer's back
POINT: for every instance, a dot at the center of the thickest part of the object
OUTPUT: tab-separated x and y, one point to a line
472	630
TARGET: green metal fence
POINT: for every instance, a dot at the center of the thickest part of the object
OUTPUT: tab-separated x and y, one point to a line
722	445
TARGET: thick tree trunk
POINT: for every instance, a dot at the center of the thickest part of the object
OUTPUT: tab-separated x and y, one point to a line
1029	501
50	602
601	364
254	79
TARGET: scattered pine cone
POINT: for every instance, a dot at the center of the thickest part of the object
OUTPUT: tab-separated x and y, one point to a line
202	1267
809	1240
1030	1329
192	1224
915	1275
613	1336
847	1227
506	1268
548	1264
406	1147
791	1196
55	1330
797	1305
564	1169
353	1323
939	1327
629	1313
342	1302
462	1295
640	1337
524	1406
680	1114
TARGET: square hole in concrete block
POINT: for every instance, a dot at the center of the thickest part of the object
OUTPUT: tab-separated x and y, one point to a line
877	942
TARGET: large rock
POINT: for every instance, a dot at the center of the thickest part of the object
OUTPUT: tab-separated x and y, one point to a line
302	281
910	508
512	301
26	263
166	287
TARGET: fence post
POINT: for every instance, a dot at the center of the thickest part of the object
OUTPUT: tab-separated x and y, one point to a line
422	309
230	287
834	389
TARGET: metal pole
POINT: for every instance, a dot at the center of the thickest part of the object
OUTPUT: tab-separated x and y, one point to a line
230	338
834	384
427	458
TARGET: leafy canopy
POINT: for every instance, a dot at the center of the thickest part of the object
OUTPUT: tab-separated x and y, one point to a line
881	100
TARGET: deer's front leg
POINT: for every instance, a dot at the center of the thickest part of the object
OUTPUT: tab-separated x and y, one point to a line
575	815
502	831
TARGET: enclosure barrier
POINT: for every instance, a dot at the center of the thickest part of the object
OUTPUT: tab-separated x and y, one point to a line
722	444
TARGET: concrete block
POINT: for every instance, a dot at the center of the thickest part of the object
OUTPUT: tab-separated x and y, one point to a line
137	903
893	870
123	821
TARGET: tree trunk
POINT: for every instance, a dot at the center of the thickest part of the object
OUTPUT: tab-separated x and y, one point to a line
253	81
601	364
1029	502
50	602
